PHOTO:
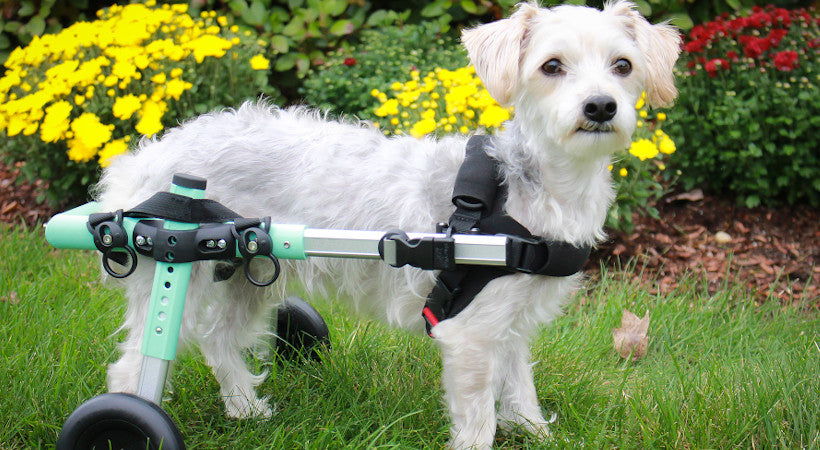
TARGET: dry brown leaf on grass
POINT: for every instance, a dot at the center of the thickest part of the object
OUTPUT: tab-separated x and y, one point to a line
631	338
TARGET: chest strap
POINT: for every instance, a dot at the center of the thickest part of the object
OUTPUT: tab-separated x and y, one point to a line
479	198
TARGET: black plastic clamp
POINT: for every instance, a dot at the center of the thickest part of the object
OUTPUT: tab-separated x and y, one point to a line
428	253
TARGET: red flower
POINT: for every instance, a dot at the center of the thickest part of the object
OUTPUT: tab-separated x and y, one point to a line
712	66
785	61
349	61
754	47
775	36
695	46
732	56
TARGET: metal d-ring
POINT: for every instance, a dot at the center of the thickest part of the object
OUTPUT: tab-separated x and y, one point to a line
107	256
254	281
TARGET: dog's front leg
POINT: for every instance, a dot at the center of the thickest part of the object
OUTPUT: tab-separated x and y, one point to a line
518	400
467	379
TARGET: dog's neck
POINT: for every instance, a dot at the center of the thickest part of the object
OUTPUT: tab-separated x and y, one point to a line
550	193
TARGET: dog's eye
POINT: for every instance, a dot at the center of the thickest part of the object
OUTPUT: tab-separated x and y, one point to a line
622	67
552	67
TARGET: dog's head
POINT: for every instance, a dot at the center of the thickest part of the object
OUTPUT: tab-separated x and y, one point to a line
574	74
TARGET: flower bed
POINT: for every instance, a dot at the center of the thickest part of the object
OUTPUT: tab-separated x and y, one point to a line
74	100
749	107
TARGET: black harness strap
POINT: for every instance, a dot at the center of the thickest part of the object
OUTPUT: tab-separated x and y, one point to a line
181	208
480	197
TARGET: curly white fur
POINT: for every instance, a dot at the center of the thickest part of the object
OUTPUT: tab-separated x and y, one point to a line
299	167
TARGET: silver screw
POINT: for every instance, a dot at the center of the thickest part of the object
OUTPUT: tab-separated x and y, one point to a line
252	246
210	243
221	243
159	330
286	244
107	239
149	241
140	240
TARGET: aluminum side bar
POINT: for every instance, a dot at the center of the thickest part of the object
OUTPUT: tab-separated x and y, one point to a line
470	249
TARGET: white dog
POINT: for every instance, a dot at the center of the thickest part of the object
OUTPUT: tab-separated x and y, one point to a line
573	75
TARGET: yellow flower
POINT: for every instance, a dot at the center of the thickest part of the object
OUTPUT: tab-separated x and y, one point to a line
55	123
494	116
643	149
78	151
661	116
623	172
126	106
208	45
259	62
666	145
423	127
150	118
175	88
158	78
112	149
89	132
390	107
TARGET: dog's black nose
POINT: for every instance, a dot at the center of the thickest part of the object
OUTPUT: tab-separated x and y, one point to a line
600	108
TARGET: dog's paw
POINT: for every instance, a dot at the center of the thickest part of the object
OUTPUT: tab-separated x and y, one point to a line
240	407
537	426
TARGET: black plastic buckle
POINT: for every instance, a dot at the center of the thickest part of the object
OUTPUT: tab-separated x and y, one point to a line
111	240
526	255
429	253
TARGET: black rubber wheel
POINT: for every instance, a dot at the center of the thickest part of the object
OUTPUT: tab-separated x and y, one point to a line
119	421
300	330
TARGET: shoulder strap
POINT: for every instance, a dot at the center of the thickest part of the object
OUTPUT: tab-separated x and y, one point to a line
180	208
475	188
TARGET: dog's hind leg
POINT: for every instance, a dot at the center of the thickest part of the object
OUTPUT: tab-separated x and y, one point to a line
234	321
124	375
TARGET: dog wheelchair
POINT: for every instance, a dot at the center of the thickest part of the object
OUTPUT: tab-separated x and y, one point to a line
200	229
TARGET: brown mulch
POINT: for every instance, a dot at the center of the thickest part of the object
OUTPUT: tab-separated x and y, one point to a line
775	252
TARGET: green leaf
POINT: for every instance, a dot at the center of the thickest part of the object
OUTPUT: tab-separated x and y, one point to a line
302	64
643	7
342	27
752	201
333	8
36	26
26	9
680	20
469	6
255	15
435	9
285	62
279	44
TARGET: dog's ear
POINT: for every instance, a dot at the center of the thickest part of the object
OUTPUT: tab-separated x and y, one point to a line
661	45
495	51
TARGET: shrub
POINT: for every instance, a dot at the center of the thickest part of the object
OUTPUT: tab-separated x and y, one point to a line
342	83
74	100
445	101
749	107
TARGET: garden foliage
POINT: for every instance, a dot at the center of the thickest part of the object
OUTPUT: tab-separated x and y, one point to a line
749	108
71	101
344	80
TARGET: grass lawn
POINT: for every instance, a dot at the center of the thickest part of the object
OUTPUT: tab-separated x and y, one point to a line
721	371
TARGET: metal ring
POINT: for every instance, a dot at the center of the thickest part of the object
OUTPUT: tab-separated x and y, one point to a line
131	254
254	281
